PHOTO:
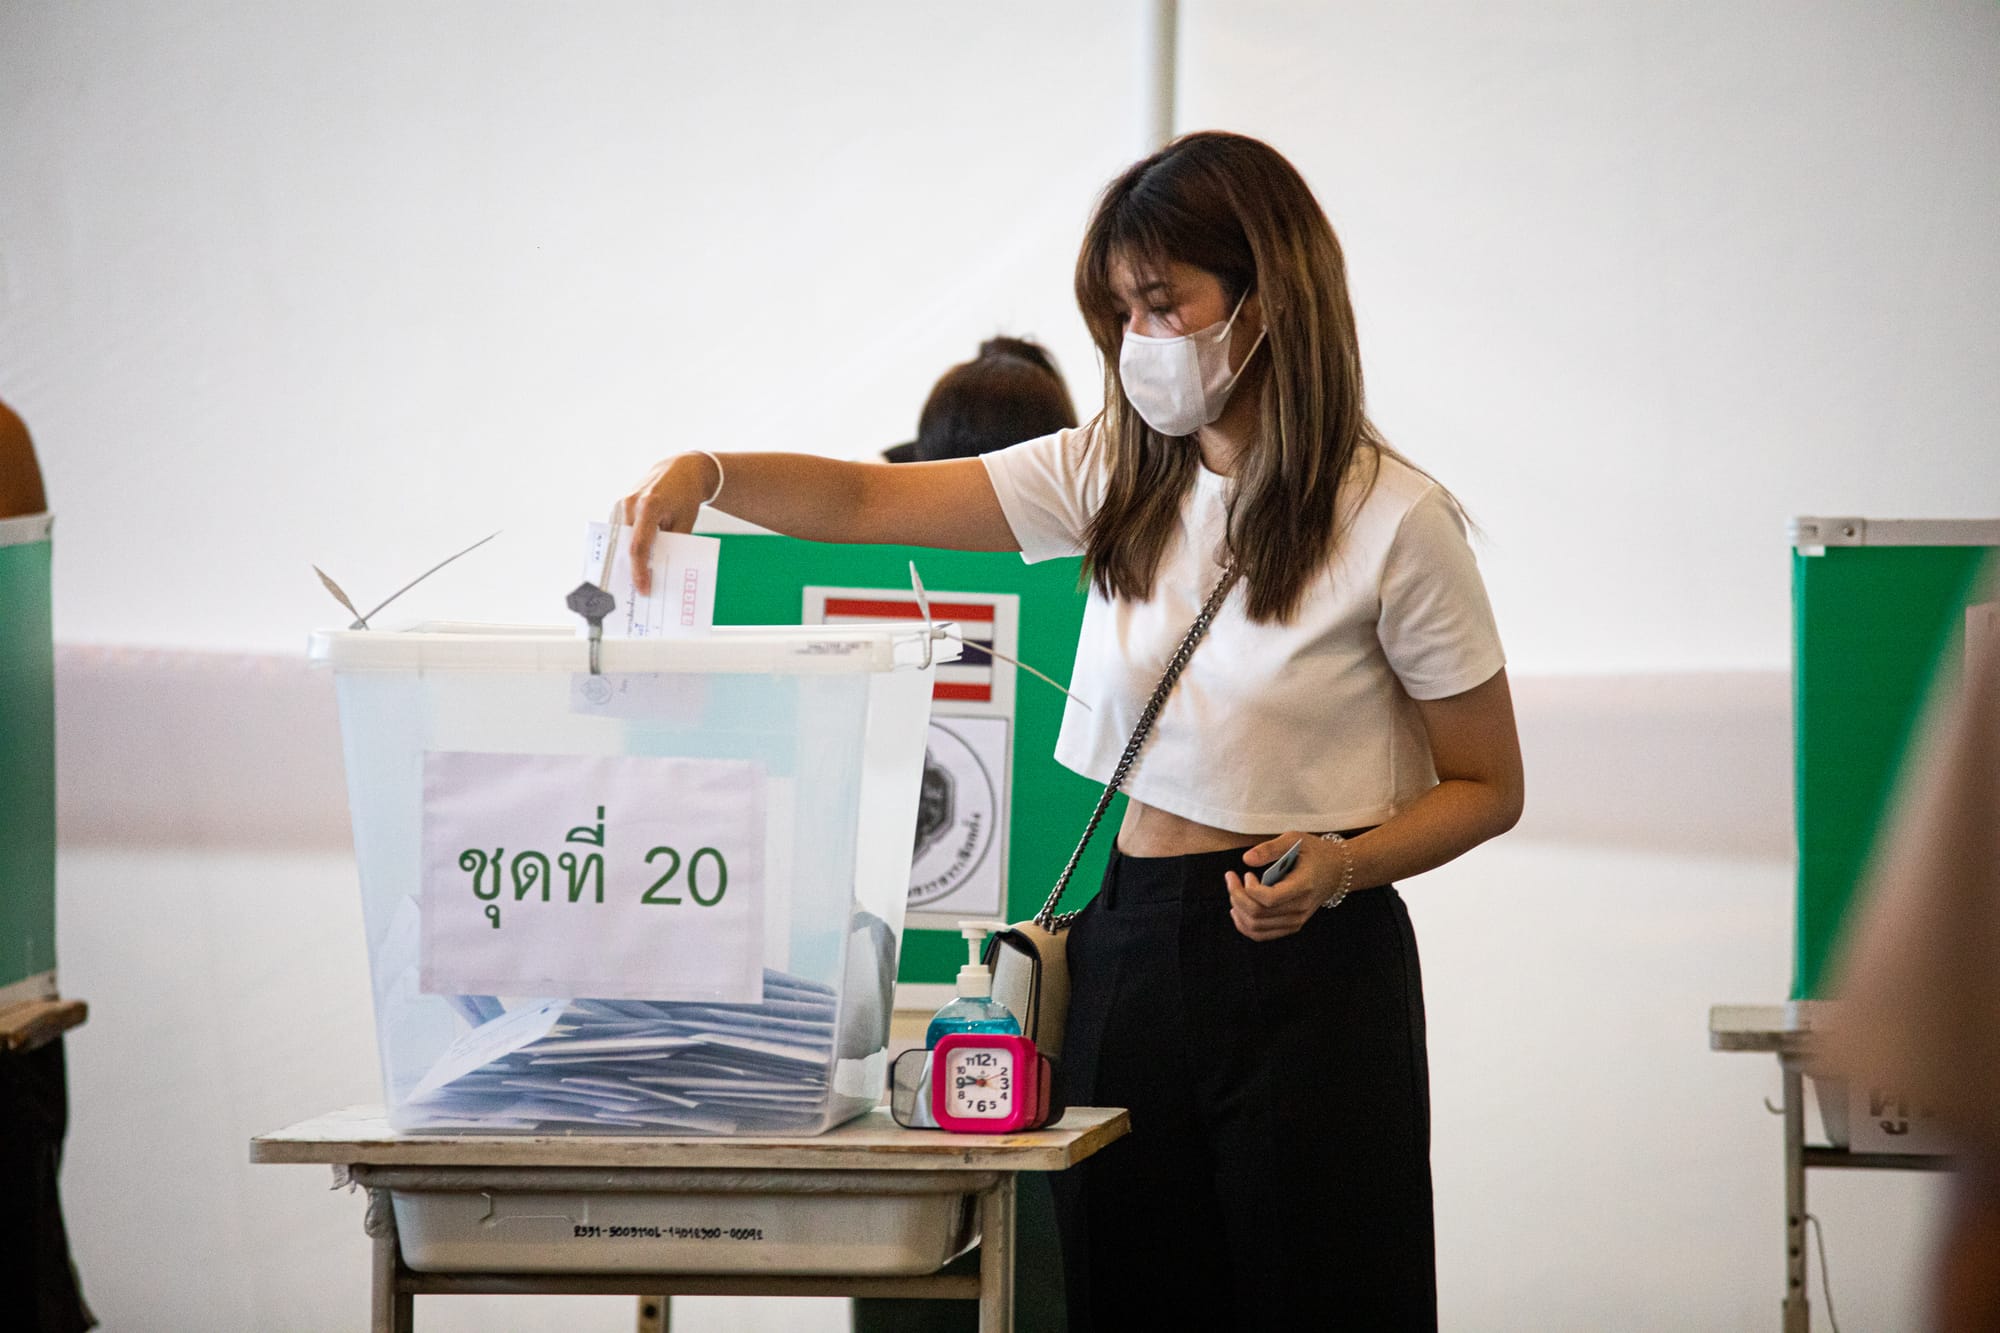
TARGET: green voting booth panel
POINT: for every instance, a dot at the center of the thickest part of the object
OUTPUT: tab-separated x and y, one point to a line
27	764
1878	608
765	580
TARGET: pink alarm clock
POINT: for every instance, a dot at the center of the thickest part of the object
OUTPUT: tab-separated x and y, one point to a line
988	1083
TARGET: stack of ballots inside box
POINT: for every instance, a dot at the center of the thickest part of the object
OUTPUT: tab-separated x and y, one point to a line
637	1064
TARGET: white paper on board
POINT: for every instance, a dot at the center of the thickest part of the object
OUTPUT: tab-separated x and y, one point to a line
961	856
620	877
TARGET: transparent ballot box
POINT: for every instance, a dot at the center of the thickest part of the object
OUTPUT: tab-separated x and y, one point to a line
664	897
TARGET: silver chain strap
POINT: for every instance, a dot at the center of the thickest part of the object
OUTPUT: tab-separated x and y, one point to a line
1047	918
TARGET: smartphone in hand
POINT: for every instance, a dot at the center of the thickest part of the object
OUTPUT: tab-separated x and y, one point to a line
1282	867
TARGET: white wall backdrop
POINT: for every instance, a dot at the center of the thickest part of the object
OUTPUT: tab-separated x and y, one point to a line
356	283
1645	281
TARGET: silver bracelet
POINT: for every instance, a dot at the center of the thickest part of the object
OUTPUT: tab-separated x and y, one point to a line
1346	873
720	475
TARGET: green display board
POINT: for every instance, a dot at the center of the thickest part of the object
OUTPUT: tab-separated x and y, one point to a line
763	582
27	764
1877	609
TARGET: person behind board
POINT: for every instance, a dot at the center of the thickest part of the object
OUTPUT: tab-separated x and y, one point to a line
1010	392
1269	1041
20	476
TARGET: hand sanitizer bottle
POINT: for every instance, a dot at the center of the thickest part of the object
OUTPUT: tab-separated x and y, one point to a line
975	1009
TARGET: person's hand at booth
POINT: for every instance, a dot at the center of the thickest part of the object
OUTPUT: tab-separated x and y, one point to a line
949	504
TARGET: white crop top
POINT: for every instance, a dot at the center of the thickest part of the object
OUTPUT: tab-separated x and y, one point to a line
1306	725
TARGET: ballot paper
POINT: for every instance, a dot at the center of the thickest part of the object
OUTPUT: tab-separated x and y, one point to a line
681	604
682	600
490	1041
671	1067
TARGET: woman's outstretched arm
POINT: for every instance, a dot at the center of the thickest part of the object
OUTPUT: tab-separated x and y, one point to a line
949	504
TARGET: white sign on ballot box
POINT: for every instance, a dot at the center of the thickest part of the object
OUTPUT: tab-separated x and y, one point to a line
613	877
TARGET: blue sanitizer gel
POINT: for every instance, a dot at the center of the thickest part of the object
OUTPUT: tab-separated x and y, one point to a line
971	1015
975	1009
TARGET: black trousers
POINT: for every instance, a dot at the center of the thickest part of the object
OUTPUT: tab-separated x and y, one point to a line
38	1287
1278	1171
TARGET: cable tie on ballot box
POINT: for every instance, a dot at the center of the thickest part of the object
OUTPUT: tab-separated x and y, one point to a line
934	630
360	620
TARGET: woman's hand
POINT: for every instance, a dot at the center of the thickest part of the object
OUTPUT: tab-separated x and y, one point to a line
949	505
1271	912
1478	796
666	501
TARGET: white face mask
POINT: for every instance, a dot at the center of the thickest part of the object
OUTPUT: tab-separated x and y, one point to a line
1181	384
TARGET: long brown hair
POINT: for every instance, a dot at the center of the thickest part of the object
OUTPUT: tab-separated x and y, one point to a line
1232	206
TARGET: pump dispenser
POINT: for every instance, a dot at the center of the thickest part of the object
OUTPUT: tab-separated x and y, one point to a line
974	1010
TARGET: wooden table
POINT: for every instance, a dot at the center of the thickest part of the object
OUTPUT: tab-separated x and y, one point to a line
871	1155
33	1024
1786	1031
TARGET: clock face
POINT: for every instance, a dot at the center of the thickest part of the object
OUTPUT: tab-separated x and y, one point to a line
979	1083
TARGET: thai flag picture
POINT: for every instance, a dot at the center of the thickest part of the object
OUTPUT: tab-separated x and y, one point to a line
987	622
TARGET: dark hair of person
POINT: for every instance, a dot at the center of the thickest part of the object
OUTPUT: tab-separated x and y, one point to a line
1010	392
1234	207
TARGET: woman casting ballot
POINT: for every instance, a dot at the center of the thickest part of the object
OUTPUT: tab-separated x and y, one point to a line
1350	698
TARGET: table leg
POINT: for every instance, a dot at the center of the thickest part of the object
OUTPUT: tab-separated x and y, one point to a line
996	1256
390	1311
1797	1311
